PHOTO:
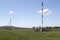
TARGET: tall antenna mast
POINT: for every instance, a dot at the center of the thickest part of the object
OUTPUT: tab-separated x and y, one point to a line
10	25
11	12
10	22
42	16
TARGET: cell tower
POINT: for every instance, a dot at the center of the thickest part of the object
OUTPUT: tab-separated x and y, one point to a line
10	27
42	16
10	22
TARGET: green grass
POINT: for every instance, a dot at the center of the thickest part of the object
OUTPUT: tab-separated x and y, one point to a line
28	34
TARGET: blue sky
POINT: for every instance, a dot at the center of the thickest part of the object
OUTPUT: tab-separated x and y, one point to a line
25	12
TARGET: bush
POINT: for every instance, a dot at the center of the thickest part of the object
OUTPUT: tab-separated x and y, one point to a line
43	28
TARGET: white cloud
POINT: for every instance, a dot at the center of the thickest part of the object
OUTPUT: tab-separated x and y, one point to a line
11	12
45	11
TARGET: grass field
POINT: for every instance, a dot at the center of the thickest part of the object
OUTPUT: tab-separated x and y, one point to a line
28	34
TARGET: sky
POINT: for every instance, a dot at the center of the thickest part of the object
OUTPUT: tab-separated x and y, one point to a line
24	13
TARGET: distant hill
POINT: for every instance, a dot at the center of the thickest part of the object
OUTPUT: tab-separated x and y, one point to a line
8	27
